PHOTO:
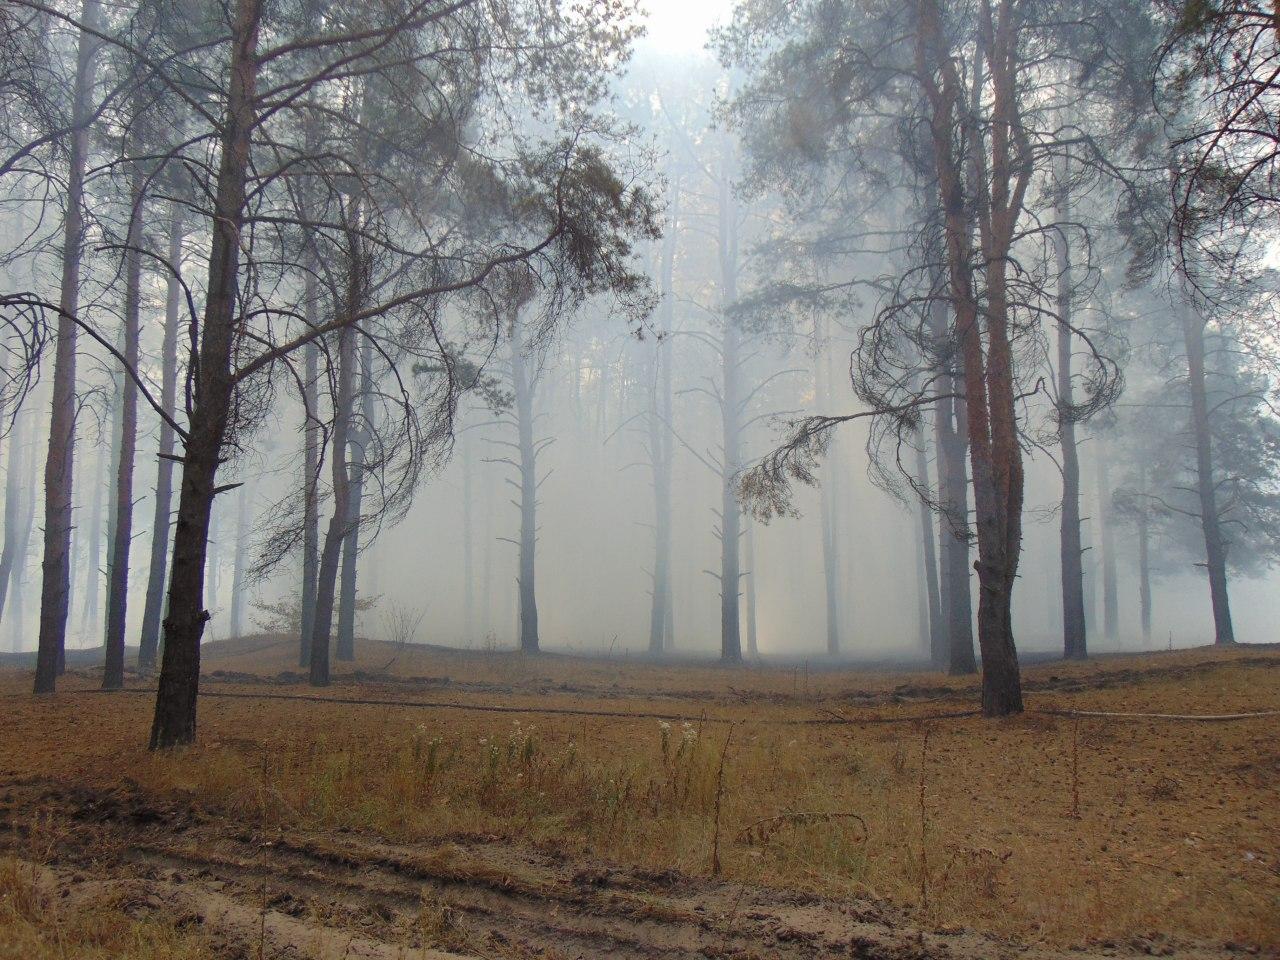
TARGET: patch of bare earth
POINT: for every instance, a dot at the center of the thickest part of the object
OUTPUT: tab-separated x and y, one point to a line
257	893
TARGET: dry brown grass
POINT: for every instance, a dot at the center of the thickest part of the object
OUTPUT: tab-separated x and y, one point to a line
1176	830
35	924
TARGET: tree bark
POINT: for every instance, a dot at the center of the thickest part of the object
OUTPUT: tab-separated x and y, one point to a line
344	427
122	528
93	536
660	447
310	490
330	555
153	611
55	589
213	562
346	647
1107	538
988	362
1210	523
828	497
468	546
951	440
1144	557
524	385
238	563
731	420
935	633
175	715
1071	550
487	593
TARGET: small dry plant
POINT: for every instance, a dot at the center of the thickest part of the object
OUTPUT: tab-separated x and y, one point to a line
401	623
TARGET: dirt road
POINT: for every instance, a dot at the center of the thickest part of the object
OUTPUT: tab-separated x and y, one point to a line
294	895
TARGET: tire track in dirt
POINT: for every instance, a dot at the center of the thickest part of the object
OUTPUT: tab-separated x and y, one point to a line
293	894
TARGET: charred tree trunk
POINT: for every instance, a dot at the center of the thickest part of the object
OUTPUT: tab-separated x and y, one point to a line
1071	550
985	346
310	491
122	528
1215	550
360	436
55	589
340	518
951	439
960	570
330	554
175	716
344	427
149	644
523	385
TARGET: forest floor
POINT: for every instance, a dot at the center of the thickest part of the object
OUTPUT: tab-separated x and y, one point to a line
435	803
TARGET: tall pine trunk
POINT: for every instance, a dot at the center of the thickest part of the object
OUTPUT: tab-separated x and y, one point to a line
1071	550
1215	550
983	333
1144	557
935	633
239	562
339	519
730	419
468	545
310	489
660	447
951	440
1107	538
174	723
828	492
344	427
122	528
213	562
360	437
487	593
55	586
523	385
153	611
92	535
